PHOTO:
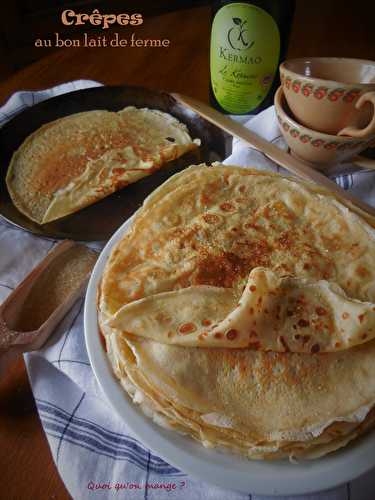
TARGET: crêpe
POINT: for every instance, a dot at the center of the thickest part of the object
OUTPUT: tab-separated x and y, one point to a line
211	316
77	160
262	405
289	375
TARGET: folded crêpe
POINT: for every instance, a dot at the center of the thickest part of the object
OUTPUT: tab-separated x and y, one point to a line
239	309
75	161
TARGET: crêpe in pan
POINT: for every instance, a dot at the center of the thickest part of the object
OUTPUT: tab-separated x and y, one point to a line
239	309
77	160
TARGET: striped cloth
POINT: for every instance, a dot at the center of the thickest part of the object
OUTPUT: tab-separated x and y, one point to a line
95	453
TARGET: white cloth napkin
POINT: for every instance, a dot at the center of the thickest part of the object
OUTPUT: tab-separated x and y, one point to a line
92	448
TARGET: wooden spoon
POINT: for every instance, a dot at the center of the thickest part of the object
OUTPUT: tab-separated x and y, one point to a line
31	312
280	157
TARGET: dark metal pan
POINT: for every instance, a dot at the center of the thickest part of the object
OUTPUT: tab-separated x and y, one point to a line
99	221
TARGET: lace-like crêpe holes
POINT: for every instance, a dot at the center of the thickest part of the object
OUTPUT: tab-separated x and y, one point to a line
211	218
187	328
232	334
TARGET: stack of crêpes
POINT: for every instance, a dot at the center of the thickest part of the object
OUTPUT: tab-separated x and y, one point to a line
239	309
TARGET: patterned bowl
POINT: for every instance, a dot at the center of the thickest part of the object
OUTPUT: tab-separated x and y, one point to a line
334	95
312	146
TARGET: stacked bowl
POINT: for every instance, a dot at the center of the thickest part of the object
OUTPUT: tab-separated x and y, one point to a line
325	108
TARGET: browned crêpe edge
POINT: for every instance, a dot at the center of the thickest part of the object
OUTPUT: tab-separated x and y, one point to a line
278	396
107	149
32	186
278	314
166	411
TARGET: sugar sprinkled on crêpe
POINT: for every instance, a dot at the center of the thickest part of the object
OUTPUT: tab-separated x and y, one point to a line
78	160
279	314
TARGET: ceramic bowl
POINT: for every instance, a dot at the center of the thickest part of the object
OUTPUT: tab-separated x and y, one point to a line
333	95
312	146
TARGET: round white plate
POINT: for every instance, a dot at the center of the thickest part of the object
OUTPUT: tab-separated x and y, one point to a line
226	470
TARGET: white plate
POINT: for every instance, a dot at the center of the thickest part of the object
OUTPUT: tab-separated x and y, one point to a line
225	470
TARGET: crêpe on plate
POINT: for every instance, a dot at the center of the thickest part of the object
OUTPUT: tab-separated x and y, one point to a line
78	160
239	309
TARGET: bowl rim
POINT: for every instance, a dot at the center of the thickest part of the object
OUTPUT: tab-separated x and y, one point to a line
280	101
284	67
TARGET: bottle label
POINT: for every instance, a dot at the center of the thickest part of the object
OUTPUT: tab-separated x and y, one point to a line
245	50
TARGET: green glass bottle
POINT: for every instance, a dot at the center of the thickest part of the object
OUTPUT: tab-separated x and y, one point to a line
248	42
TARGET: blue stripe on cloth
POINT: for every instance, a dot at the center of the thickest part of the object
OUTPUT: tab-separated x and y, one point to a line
339	181
59	361
66	426
95	445
87	447
54	424
115	437
91	444
94	437
111	437
147	475
7	286
129	460
71	328
345	181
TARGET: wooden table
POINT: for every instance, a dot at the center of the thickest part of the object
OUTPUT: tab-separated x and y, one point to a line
320	28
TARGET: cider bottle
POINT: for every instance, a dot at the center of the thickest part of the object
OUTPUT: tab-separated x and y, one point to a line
248	41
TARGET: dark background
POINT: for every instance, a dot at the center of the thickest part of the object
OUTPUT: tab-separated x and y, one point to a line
346	27
22	21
